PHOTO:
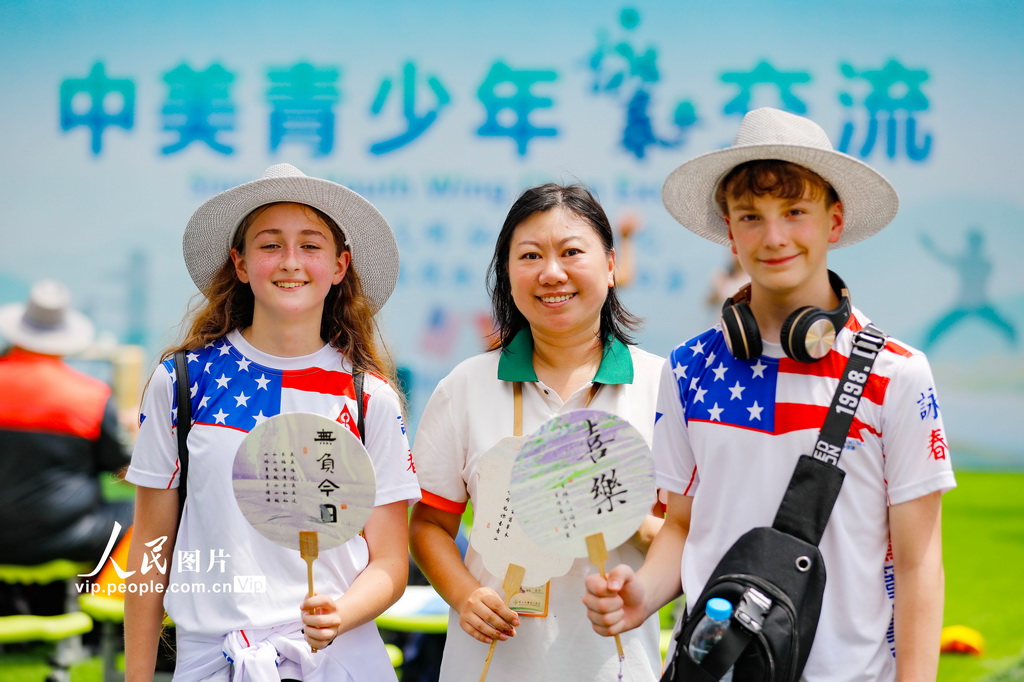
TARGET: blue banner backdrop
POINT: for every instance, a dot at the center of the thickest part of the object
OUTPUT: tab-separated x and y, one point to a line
121	118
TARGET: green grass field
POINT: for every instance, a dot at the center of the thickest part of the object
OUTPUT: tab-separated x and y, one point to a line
983	536
983	550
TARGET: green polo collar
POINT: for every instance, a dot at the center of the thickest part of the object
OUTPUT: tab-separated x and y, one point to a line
516	361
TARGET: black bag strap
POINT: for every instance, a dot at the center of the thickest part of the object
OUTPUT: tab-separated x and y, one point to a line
816	481
867	344
184	425
808	501
357	380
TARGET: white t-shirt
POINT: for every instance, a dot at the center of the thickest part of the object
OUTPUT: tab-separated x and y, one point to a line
729	433
469	412
234	386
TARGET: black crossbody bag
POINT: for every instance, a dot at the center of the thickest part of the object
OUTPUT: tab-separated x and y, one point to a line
775	576
185	420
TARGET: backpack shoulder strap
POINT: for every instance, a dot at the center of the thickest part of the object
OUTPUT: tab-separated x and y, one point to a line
184	425
357	379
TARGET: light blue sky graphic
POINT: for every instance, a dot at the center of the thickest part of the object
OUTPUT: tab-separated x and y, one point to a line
110	224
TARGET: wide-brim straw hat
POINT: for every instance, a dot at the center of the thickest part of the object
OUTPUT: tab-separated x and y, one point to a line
46	323
869	201
211	230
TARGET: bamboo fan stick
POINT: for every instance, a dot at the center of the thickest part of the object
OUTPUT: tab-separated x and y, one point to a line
309	549
599	557
510	586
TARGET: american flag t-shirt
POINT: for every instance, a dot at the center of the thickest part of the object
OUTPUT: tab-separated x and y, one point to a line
767	394
234	386
232	393
229	390
729	433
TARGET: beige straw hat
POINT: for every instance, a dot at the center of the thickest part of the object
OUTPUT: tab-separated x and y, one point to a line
211	229
46	324
869	201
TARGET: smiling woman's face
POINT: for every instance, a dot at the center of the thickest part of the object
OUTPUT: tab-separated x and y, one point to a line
559	273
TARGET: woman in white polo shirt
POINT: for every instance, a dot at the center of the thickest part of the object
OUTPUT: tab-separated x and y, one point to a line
563	341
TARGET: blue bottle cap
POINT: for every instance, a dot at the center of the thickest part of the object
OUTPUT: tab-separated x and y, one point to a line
718	608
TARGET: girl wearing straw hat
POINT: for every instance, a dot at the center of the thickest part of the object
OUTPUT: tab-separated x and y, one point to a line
293	270
740	403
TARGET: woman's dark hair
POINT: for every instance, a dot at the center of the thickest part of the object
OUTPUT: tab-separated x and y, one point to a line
616	321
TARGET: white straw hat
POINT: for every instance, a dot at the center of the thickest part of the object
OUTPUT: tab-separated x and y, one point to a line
210	231
869	201
46	324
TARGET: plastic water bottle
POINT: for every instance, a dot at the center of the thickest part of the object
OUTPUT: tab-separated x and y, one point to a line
710	629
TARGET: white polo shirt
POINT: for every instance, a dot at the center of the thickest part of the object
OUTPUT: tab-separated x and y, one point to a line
469	412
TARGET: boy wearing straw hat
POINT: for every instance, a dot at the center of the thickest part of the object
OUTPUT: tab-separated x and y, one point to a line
58	431
741	402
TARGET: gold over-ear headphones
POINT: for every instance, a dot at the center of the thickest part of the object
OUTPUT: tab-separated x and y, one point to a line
807	334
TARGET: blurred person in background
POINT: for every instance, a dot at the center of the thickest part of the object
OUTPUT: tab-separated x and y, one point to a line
59	431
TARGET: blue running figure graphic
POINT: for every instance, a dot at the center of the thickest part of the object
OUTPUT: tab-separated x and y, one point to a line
974	269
